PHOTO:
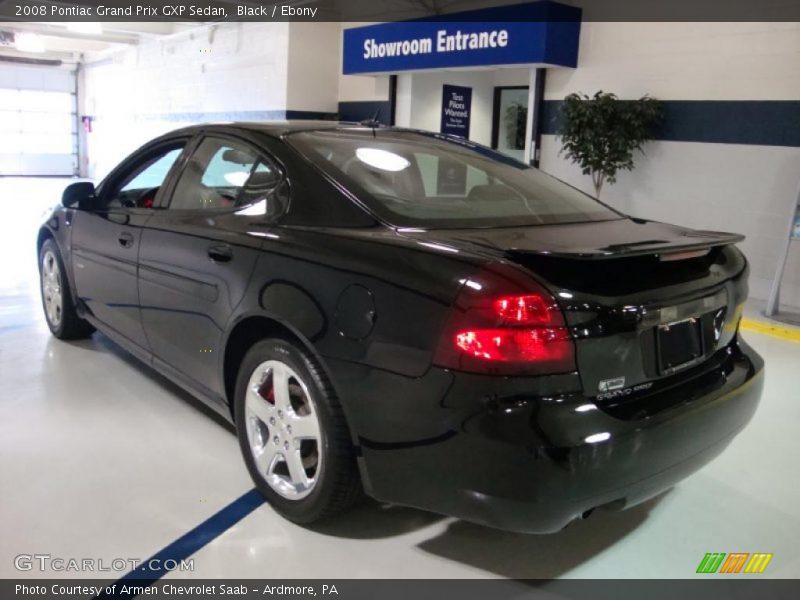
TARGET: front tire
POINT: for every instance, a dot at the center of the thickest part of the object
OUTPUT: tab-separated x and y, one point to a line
293	434
59	309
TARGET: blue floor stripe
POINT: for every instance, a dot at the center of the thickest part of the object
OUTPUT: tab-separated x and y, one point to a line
152	569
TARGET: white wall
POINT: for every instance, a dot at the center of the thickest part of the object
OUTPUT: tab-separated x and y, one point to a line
165	84
743	188
425	96
314	66
419	102
685	61
359	87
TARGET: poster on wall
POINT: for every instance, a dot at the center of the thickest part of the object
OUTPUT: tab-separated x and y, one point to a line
456	109
451	177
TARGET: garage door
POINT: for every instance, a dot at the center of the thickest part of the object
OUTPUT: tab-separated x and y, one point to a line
38	124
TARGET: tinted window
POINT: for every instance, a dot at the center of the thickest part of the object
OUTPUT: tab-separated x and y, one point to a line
140	186
414	179
225	174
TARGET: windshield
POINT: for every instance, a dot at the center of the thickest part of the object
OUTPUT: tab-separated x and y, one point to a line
413	179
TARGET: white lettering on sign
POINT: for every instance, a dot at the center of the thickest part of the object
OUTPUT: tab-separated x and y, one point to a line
373	49
445	42
456	107
470	41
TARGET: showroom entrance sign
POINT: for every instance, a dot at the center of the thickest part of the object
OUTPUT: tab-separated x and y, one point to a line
532	33
456	108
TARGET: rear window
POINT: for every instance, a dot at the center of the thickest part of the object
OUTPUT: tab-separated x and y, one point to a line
415	179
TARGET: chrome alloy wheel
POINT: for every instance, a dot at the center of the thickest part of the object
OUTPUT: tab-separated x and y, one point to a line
283	430
51	288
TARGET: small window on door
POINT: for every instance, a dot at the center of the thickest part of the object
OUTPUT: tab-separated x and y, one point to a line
139	188
224	174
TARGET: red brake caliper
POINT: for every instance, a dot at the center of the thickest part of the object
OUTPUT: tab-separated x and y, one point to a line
269	389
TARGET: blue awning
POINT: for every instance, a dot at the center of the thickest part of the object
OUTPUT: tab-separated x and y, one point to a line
533	33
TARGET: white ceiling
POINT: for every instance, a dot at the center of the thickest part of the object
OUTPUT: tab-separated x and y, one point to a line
61	43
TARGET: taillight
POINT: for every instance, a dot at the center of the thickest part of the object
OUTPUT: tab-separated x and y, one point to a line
504	322
530	309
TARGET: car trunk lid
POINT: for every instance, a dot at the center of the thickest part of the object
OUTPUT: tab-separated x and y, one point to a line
645	302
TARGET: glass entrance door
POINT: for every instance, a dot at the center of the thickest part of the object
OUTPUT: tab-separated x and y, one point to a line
509	119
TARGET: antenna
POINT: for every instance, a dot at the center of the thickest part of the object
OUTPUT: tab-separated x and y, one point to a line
373	122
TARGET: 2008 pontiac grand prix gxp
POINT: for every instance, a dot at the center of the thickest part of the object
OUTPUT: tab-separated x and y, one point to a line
412	315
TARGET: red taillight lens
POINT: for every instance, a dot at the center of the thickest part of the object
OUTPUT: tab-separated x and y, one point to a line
517	345
530	309
504	322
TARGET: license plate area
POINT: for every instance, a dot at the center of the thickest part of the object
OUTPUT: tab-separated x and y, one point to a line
679	345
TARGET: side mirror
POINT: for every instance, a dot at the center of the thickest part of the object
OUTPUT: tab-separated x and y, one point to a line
80	195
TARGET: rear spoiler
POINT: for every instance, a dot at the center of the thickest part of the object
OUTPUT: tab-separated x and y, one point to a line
697	243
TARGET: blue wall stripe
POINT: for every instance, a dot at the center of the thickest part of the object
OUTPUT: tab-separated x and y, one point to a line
188	544
310	115
366	109
754	122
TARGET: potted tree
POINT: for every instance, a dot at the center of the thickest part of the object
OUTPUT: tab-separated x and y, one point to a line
601	132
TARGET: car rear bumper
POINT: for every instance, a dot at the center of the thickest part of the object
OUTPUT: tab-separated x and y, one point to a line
533	462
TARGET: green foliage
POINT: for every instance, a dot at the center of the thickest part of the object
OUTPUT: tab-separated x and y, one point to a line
516	118
600	133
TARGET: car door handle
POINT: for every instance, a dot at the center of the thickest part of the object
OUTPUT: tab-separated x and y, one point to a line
220	253
125	239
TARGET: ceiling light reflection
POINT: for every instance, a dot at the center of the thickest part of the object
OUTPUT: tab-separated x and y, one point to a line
28	42
382	159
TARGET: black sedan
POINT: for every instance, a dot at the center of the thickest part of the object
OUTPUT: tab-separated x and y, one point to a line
413	316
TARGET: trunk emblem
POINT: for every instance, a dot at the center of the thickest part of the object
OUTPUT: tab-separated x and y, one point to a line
608	385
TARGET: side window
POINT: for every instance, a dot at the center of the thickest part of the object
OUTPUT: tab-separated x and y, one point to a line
227	174
140	187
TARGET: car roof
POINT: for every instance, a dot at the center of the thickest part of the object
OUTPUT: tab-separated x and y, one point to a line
271	128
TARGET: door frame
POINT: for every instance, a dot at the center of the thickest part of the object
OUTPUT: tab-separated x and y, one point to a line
498	90
123	171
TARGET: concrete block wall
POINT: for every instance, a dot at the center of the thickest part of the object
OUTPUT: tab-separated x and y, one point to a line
227	72
313	67
747	188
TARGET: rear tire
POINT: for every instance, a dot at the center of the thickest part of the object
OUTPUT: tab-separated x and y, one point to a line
59	309
293	434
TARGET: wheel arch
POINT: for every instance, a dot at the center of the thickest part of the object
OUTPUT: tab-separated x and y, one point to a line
252	328
44	234
47	232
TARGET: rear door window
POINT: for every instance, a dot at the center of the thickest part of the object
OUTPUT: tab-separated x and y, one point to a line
227	174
